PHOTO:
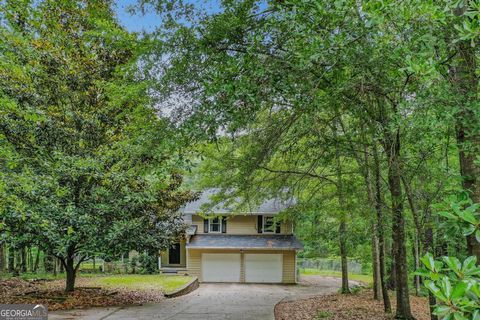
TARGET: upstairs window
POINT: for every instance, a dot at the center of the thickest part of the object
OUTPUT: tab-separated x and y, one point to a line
215	225
268	224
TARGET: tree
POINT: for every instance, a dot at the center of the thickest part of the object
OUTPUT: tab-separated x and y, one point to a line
92	169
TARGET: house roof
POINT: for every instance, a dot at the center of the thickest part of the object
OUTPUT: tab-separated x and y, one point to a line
217	241
191	230
270	206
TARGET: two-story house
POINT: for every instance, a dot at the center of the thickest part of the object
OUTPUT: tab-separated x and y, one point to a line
228	246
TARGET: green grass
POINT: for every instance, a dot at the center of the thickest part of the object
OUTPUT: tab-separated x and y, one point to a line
323	315
365	278
166	283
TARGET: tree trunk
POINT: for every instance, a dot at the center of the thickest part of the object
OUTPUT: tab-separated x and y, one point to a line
342	229
377	286
392	148
417	234
61	269
2	257
30	259
428	246
71	274
381	235
343	255
49	263
37	260
23	253
11	259
465	82
70	269
416	257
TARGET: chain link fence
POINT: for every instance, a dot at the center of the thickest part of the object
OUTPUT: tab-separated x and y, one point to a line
328	264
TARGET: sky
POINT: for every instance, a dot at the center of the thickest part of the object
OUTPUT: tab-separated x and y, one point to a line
138	22
150	21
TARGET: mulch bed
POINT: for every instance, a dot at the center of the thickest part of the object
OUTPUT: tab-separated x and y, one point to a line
358	306
51	294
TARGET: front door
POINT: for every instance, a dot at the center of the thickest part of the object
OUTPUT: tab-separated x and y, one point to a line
174	254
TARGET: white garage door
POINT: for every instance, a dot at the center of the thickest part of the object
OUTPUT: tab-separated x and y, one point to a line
221	267
263	268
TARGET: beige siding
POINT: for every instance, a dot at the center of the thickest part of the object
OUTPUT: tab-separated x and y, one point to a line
194	258
289	270
197	220
241	224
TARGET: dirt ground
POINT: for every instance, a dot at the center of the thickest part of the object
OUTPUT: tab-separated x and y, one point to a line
359	306
51	294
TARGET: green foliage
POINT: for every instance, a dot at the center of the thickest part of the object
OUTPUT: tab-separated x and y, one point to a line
148	263
464	214
323	315
455	285
88	168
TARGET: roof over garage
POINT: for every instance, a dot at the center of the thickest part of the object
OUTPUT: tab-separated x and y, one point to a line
217	241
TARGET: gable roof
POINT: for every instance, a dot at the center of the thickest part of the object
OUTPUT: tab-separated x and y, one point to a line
270	206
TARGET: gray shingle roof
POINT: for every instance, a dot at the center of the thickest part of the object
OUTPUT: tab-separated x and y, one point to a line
191	230
271	206
217	241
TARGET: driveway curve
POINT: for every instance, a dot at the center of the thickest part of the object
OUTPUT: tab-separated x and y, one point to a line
215	301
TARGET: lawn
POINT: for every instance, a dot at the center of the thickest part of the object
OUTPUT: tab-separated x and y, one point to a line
90	290
365	278
165	283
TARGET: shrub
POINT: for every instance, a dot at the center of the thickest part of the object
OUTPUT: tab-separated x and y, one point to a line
455	285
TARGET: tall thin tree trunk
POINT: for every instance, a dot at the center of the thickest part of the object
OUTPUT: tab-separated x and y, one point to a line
428	247
381	235
2	257
11	259
61	268
392	148
37	260
364	165
342	229
391	281
23	256
465	81
417	233
377	286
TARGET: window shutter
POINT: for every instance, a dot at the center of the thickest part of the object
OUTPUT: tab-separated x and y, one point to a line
224	224
277	227
260	224
205	225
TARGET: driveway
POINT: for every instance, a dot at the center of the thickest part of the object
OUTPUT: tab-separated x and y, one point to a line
214	301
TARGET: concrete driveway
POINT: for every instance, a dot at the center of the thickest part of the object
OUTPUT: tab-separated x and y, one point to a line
214	301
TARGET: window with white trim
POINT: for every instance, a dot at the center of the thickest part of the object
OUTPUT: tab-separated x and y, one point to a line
215	225
268	224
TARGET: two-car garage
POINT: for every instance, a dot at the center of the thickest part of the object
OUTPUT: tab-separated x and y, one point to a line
257	267
243	258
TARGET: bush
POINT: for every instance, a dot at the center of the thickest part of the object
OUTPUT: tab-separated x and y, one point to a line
455	285
148	263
